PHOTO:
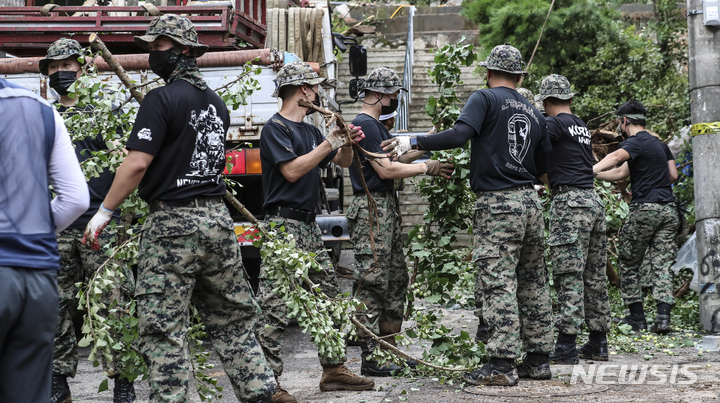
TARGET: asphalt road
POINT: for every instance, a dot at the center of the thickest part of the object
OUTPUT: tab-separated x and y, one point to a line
617	381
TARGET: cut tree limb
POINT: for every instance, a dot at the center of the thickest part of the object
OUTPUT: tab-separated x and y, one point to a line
99	45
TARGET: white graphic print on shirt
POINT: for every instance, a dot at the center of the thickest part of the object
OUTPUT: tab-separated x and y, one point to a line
581	133
209	154
518	136
145	134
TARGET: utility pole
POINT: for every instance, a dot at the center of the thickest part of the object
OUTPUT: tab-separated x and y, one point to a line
704	69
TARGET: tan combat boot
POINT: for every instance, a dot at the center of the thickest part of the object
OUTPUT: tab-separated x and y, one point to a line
339	377
282	395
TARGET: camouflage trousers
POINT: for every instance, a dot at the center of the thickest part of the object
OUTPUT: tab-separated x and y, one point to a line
78	264
578	247
274	318
380	286
649	232
509	247
191	254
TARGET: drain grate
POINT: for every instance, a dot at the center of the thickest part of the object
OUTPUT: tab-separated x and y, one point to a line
530	388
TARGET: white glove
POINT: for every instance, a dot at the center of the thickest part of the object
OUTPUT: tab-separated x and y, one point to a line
398	146
96	226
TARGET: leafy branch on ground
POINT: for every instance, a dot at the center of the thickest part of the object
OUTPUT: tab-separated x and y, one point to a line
106	110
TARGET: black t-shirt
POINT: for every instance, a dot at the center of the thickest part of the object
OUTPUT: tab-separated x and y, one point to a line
98	187
283	140
649	171
571	160
375	133
512	139
184	128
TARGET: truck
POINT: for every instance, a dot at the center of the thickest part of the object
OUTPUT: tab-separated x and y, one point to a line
243	138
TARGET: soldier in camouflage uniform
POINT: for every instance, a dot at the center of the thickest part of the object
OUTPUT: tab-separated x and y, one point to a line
291	151
651	227
188	251
508	153
483	330
77	262
380	275
577	241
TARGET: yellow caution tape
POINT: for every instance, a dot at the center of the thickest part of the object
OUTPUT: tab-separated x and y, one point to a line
705	128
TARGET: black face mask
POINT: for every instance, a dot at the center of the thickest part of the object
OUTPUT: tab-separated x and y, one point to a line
164	62
60	81
386	110
621	134
315	102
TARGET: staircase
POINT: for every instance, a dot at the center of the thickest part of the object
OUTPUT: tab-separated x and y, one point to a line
434	27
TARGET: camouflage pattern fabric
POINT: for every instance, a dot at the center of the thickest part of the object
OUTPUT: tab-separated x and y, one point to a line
383	80
555	86
187	70
191	254
274	318
578	247
478	294
78	263
508	250
505	58
539	104
527	94
61	49
382	286
649	231
296	73
178	28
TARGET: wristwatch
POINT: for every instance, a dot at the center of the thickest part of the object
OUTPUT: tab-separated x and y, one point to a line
413	143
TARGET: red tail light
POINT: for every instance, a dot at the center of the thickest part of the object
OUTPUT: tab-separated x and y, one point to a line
245	161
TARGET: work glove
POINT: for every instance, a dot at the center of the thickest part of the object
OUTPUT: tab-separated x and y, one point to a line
396	146
96	226
437	168
340	138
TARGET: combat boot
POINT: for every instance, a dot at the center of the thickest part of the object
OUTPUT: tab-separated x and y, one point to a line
339	377
372	368
123	391
497	372
565	353
536	366
661	325
60	392
596	351
263	400
483	332
281	395
636	322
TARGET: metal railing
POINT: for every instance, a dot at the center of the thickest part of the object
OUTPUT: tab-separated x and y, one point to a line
404	98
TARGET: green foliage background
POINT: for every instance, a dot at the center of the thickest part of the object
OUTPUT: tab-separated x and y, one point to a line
606	59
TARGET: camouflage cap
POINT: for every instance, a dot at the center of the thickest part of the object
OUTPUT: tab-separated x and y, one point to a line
526	93
556	86
176	27
63	48
382	80
296	73
505	58
539	104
